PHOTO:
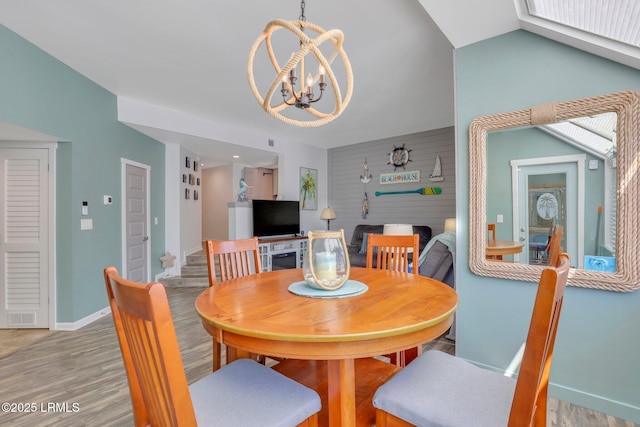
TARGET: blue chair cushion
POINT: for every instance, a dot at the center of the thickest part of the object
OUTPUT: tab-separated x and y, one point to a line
440	390
245	393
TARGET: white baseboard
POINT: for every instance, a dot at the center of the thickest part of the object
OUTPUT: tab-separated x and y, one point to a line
74	326
597	403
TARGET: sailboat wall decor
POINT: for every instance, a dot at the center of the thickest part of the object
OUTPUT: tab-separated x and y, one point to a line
436	175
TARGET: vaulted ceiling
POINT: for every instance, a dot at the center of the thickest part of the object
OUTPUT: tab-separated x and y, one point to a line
191	58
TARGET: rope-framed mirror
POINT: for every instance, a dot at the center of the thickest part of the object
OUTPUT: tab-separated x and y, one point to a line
622	205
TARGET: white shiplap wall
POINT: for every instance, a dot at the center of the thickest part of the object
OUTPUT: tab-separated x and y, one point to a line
346	192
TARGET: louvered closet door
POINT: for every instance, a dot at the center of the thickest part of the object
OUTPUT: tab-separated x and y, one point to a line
23	238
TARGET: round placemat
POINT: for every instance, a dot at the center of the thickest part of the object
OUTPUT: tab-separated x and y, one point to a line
349	289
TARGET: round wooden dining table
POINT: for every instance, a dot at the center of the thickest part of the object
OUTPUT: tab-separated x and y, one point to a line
258	314
497	248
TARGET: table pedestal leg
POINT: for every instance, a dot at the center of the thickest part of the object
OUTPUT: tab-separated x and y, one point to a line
341	393
235	354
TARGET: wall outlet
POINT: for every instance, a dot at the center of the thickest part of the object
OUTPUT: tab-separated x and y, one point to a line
500	219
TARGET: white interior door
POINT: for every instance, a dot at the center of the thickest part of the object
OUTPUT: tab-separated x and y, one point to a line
24	238
549	191
136	263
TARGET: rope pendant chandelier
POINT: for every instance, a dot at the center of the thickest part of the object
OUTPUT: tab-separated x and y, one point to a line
302	96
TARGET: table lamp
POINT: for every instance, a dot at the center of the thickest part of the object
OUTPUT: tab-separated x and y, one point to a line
450	224
328	214
398	230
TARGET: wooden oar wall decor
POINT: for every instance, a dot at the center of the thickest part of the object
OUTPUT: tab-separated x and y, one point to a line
425	191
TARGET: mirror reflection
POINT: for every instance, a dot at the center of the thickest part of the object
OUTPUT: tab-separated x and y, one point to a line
570	164
562	174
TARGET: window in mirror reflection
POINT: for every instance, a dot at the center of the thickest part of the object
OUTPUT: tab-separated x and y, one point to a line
561	174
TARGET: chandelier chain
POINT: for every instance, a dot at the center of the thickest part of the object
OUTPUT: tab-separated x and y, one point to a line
302	17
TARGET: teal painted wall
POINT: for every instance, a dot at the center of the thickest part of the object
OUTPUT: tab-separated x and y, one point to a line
598	345
40	93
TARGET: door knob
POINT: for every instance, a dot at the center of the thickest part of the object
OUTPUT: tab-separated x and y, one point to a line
145	238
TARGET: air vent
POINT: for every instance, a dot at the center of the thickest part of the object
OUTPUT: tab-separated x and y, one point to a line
22	319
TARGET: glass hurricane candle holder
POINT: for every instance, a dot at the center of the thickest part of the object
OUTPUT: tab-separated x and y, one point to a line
326	263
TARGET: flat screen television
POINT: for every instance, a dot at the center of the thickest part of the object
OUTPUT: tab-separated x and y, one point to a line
276	218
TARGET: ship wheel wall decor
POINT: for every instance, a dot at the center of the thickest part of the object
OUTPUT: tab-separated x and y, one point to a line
285	77
399	157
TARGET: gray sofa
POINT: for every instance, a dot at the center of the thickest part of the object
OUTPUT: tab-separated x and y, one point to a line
358	246
439	264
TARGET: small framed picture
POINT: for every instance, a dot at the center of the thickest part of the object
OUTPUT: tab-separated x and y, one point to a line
195	166
192	179
308	189
187	162
195	194
187	193
197	181
184	178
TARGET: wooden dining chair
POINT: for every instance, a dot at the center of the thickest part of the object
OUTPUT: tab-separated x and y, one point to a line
491	228
235	258
395	253
241	393
392	252
444	390
553	249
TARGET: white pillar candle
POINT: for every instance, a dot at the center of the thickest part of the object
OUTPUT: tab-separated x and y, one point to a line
325	267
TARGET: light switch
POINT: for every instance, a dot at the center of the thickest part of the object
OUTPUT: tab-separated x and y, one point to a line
86	224
500	219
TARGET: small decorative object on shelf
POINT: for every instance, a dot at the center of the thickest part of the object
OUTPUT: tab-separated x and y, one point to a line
326	263
242	197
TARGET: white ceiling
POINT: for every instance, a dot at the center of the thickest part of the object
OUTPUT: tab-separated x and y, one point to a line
191	56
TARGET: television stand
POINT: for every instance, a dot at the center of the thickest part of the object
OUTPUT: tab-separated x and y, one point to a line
279	253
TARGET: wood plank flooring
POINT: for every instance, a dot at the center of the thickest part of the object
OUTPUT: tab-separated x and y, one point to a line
81	375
